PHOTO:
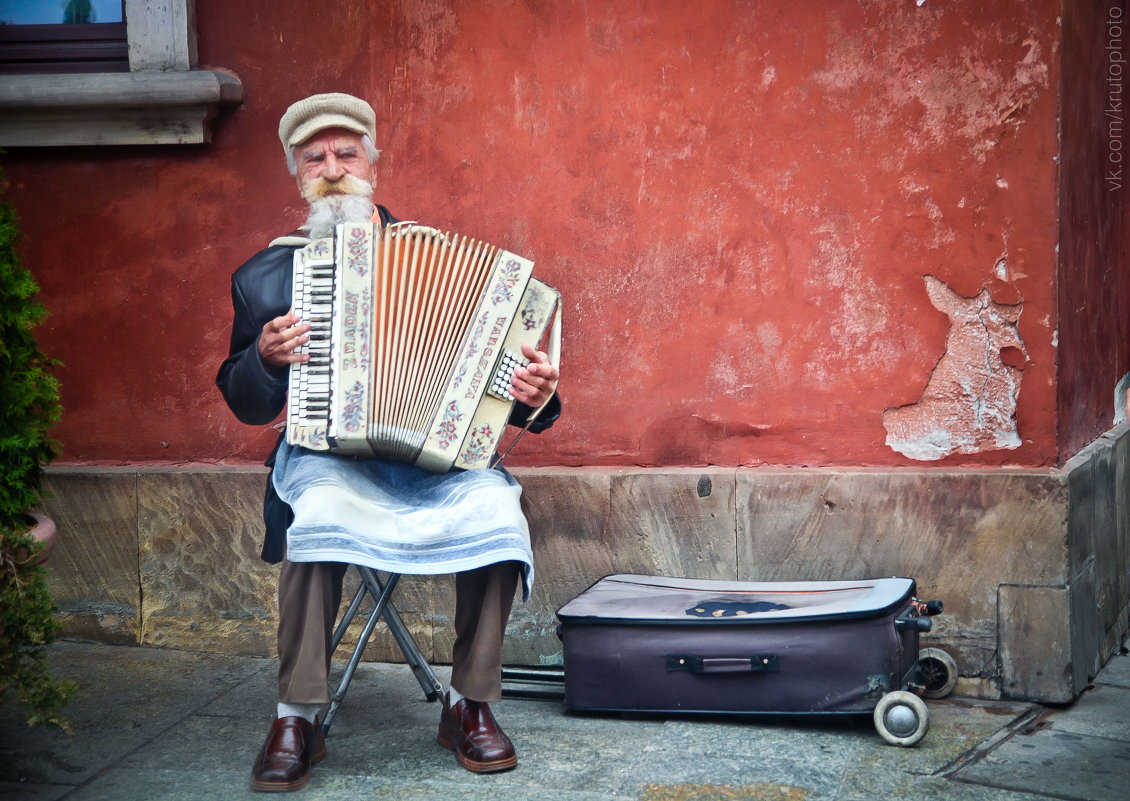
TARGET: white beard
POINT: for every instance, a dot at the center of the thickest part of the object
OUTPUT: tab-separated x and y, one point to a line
332	210
346	200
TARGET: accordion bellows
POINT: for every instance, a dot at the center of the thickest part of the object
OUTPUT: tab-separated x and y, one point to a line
416	334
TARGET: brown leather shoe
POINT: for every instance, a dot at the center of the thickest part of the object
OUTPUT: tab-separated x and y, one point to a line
292	747
469	729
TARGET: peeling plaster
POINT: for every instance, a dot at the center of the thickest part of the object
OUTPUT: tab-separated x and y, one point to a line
969	404
964	92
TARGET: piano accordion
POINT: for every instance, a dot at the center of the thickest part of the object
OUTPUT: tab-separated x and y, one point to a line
416	335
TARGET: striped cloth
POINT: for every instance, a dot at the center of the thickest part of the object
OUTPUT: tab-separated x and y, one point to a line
400	518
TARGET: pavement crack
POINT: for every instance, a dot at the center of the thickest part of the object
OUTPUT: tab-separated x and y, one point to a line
982	749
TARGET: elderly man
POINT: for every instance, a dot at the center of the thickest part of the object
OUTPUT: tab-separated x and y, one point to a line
329	145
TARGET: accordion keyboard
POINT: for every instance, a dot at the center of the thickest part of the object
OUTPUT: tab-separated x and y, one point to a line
313	304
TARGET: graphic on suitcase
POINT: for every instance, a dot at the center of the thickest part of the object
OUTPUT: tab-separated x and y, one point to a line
637	643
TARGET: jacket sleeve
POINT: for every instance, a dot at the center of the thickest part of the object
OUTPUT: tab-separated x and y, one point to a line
521	412
254	393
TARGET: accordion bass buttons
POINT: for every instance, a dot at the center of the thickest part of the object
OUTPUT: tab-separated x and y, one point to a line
509	363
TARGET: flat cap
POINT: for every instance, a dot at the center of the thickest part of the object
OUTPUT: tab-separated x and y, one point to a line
318	112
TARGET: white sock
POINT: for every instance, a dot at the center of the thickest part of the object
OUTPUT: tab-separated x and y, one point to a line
453	696
308	711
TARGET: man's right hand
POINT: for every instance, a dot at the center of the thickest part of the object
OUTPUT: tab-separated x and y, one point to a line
280	337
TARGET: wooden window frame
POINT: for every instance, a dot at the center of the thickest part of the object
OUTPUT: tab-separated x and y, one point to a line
62	48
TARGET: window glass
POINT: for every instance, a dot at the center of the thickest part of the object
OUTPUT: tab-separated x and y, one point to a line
65	12
62	36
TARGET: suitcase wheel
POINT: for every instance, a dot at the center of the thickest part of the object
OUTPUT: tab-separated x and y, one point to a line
937	672
902	718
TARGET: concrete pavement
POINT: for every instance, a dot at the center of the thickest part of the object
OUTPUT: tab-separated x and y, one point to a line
155	724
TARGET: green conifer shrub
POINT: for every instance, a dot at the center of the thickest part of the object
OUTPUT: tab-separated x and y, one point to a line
29	406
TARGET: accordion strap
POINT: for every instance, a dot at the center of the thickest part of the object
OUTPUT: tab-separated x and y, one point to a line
554	354
297	238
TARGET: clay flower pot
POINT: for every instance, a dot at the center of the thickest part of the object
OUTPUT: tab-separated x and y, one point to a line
43	531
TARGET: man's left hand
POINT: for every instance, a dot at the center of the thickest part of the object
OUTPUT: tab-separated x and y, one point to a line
537	381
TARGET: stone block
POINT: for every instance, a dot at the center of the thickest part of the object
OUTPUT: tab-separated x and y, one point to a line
1110	593
1079	477
959	534
93	572
1122	504
204	585
674	523
1121	500
1097	532
1086	626
1036	643
568	515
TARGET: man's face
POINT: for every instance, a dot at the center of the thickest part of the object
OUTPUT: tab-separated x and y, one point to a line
327	158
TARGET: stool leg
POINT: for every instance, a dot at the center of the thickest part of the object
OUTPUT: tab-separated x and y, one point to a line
347	618
382	596
431	685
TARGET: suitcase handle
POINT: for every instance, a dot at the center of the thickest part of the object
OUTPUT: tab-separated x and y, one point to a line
761	663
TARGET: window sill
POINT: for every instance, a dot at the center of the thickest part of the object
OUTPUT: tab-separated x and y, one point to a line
133	108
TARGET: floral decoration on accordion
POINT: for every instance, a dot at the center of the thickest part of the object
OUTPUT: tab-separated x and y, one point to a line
446	430
472	350
364	356
509	276
312	437
357	250
479	445
320	249
532	321
352	411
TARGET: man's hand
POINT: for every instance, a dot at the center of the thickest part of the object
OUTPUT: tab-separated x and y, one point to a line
536	382
280	337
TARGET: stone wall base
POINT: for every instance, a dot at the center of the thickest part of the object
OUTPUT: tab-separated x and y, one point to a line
1032	565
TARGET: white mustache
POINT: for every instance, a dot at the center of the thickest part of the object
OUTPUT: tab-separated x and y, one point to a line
346	185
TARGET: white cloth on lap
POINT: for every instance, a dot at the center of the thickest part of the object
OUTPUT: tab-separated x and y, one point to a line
400	518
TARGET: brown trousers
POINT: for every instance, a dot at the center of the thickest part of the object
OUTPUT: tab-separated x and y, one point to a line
309	597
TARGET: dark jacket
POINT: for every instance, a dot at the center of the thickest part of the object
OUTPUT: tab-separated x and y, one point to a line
261	291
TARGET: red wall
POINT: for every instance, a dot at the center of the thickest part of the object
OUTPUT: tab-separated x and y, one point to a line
739	201
1094	297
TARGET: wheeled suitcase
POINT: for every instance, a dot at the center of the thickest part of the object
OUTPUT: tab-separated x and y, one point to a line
652	644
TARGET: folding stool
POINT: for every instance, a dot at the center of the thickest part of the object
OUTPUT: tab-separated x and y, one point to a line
381	593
